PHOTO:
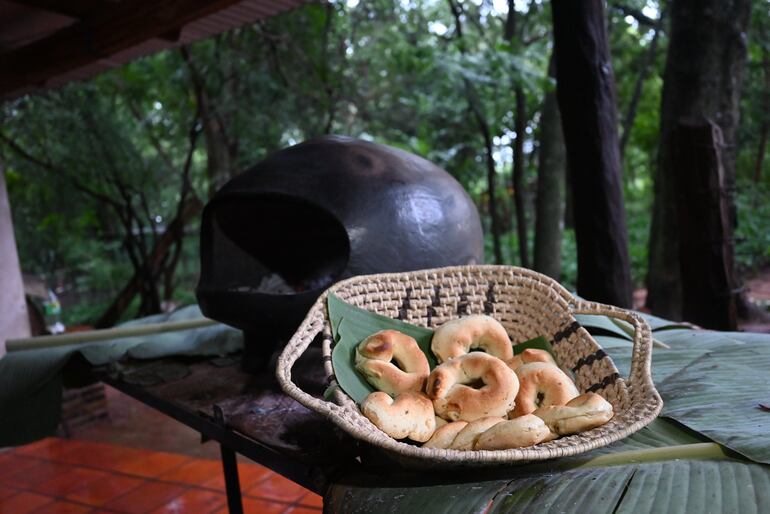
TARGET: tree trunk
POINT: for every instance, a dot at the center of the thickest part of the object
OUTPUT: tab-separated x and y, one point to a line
704	68
551	176
491	178
644	68
517	178
765	127
154	263
586	95
478	114
705	245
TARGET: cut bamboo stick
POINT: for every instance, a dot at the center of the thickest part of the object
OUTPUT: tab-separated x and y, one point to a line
95	336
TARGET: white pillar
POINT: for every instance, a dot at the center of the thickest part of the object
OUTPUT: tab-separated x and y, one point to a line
14	322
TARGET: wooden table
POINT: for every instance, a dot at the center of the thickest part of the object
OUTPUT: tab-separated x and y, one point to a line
248	414
245	413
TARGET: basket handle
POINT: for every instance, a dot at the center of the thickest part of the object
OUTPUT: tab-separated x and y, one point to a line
641	355
293	350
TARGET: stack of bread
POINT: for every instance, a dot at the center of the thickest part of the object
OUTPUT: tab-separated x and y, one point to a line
479	397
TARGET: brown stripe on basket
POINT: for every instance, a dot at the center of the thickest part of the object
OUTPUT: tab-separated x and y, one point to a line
462	305
327	358
589	359
332	342
489	304
607	381
565	333
405	305
435	302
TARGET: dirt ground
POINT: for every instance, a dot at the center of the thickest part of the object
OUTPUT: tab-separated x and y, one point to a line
757	290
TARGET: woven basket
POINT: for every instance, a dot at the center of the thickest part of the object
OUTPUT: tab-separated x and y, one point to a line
528	305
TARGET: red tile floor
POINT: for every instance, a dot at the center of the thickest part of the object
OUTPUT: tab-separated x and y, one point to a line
111	467
73	476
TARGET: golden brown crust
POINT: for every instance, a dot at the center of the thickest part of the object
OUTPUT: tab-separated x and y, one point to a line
459	336
409	415
541	385
444	435
466	438
582	413
529	355
454	400
521	432
374	356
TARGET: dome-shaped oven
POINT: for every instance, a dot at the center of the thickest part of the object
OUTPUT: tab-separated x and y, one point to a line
274	237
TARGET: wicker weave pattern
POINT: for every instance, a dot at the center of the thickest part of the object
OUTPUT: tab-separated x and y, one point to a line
528	305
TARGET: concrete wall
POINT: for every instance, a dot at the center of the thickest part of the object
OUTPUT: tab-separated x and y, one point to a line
13	310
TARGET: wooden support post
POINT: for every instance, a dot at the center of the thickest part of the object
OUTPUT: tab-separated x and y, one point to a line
705	231
14	322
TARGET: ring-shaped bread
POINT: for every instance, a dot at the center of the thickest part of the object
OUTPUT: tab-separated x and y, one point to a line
541	385
444	435
582	413
409	415
520	432
530	355
479	332
466	438
453	387
374	358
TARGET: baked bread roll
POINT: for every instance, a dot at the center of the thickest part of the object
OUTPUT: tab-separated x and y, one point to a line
583	413
521	432
530	355
409	415
459	336
444	436
541	385
374	356
451	387
466	438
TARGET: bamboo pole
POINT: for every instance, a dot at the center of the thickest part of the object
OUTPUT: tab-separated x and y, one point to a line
94	336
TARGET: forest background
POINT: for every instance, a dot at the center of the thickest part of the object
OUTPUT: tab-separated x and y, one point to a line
107	177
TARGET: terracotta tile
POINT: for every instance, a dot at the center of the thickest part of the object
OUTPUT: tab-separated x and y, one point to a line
145	498
194	500
63	507
11	463
99	492
75	478
31	476
194	472
51	448
312	500
278	488
299	509
98	455
22	503
54	449
5	492
254	506
248	476
150	464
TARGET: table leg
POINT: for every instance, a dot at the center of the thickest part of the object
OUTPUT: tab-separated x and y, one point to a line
232	485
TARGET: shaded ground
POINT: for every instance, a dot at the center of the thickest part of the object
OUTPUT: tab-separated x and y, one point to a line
757	291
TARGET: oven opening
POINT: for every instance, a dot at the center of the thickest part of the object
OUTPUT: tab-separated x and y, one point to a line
278	245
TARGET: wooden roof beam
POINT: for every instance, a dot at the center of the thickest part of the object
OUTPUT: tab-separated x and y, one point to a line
79	9
125	25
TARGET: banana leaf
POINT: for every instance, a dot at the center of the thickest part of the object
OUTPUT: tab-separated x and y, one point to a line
31	380
662	468
708	452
